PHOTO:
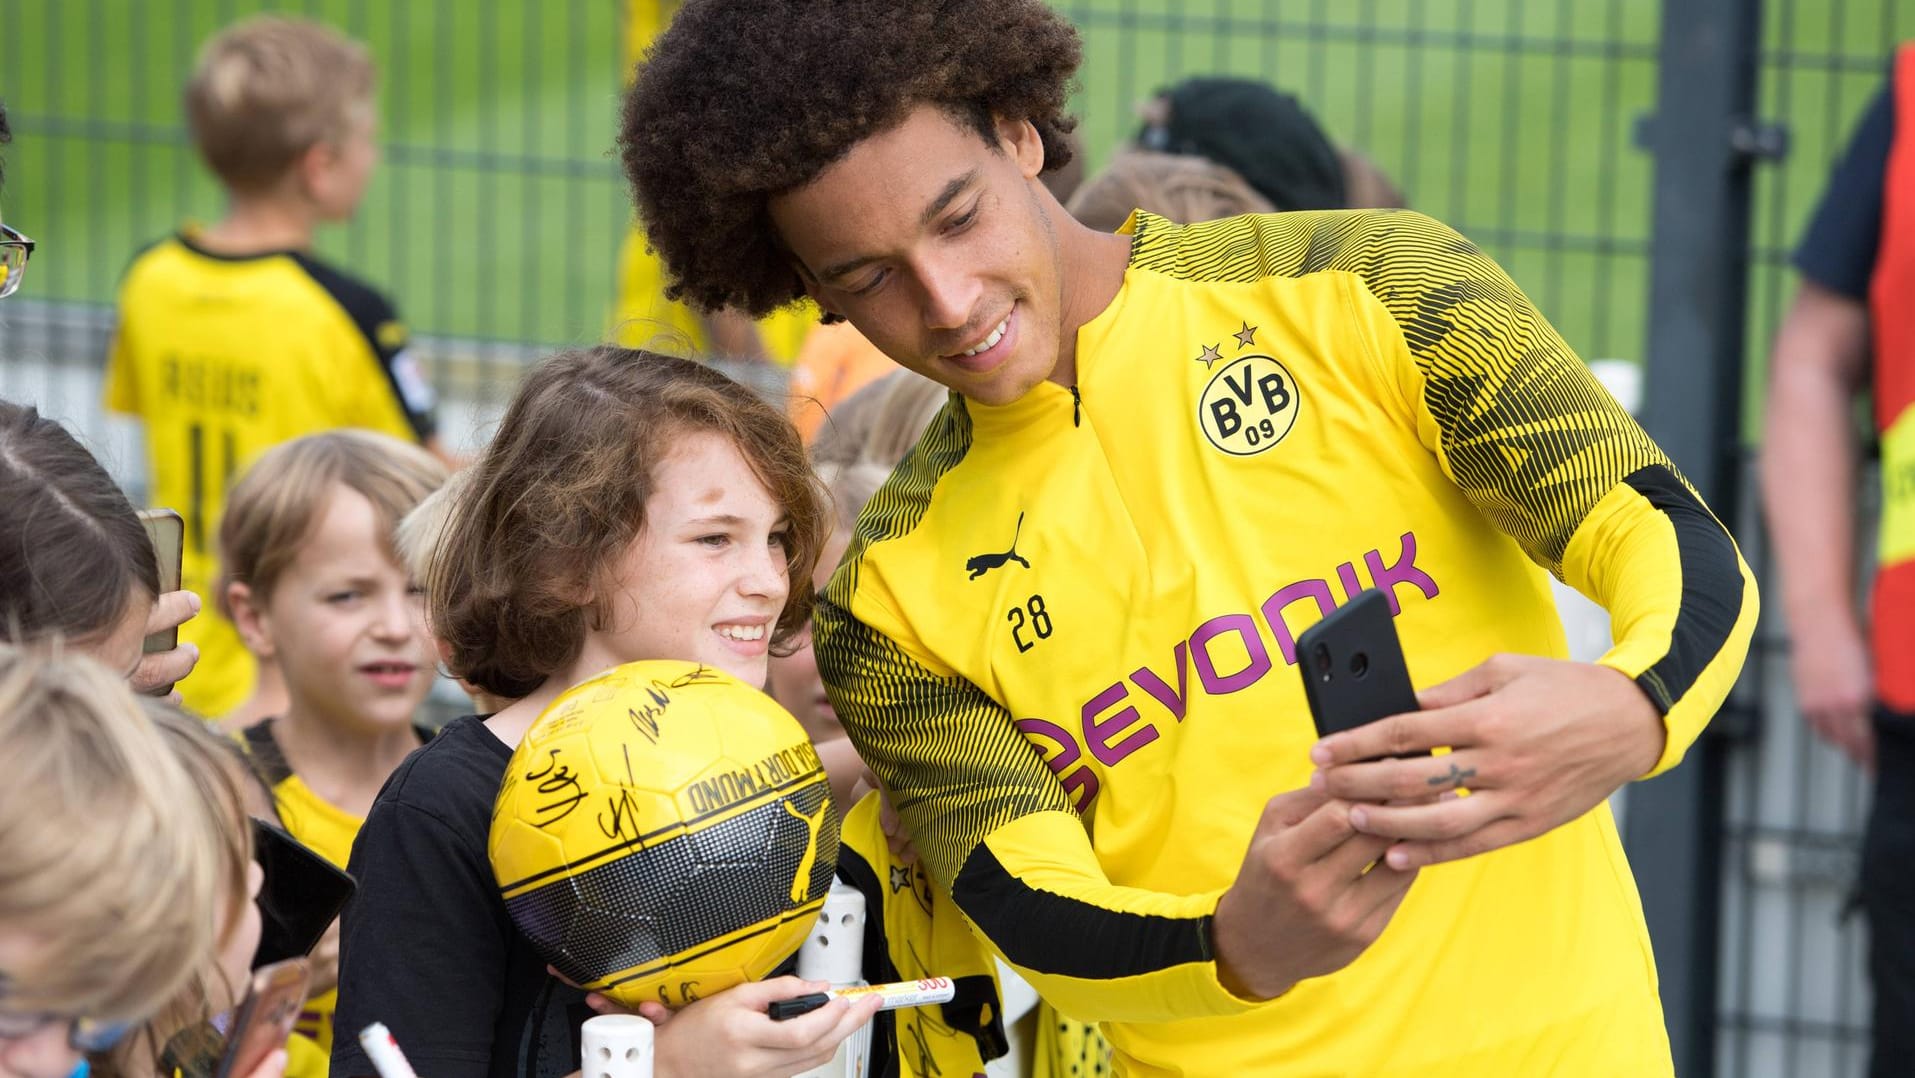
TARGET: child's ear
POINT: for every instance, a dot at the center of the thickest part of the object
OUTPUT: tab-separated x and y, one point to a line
311	168
249	617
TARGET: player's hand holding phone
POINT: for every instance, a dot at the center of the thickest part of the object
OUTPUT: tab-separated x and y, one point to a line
1310	896
1306	901
1537	742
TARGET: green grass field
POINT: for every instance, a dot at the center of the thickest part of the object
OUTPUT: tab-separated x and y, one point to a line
498	211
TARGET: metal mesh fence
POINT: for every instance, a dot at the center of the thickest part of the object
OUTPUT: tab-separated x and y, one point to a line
1509	120
1794	998
495	216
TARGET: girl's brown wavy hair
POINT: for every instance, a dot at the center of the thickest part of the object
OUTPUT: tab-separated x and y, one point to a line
519	575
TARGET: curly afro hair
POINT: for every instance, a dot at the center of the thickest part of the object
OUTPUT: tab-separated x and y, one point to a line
742	100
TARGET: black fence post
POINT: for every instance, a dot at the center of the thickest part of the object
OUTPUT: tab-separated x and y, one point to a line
1704	138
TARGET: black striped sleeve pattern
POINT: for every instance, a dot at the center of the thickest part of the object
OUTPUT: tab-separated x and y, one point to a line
957	767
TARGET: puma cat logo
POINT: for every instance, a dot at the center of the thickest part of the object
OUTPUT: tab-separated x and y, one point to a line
801	880
984	563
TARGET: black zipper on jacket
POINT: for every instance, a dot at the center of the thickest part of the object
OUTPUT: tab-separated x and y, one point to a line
1077	407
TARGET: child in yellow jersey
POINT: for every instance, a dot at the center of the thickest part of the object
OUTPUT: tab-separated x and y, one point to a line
235	338
793	680
316	588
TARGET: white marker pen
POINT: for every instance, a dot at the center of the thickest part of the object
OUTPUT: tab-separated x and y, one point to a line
896	994
384	1052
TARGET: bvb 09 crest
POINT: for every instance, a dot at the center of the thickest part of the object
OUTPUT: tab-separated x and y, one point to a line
1248	406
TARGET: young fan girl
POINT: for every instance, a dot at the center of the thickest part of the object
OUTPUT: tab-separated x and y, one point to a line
632	506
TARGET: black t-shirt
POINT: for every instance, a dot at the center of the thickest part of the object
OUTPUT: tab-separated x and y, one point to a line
1838	250
426	945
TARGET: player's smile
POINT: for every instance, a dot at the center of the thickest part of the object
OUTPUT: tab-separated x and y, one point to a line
990	351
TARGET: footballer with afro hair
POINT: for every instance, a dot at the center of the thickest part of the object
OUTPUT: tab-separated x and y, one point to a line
1373	370
707	141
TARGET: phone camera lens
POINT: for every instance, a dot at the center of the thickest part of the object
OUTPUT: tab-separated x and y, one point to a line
1359	664
1321	655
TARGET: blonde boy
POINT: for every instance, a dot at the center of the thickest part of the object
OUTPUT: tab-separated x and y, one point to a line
315	586
235	338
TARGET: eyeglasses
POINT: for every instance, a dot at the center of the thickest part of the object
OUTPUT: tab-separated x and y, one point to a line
84	1034
15	249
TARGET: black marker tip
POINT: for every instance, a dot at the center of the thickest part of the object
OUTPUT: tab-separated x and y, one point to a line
782	1009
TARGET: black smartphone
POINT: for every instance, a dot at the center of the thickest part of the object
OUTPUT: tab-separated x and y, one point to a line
302	894
1353	668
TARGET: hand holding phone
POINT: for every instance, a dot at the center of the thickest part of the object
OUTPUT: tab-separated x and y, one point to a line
1266	934
1535	742
165	662
168	534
